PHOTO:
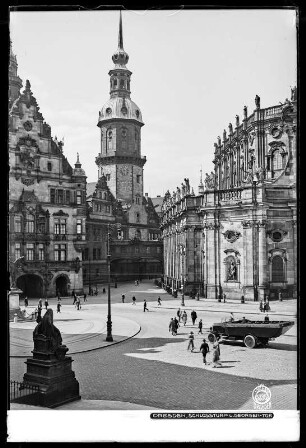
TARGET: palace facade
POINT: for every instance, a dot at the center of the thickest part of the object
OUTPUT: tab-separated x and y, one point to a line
238	235
47	201
118	213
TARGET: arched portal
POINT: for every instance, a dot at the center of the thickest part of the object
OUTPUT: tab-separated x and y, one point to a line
61	285
31	285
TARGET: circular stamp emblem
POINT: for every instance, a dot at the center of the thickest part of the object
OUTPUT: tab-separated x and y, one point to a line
261	394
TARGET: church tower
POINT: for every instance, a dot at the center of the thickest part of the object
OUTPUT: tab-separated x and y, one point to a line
120	121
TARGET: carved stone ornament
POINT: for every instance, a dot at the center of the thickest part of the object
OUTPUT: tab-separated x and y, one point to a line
276	235
27	181
231	235
28	126
276	131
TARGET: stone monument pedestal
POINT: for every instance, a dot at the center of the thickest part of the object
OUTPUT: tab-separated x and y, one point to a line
14	308
51	371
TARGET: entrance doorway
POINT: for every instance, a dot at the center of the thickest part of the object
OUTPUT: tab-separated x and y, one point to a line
31	285
61	286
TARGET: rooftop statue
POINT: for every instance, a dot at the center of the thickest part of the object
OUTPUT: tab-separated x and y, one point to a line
257	101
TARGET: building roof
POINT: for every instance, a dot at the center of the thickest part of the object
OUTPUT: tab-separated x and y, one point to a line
157	202
90	188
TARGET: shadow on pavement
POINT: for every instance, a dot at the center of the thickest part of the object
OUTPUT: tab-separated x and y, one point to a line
114	375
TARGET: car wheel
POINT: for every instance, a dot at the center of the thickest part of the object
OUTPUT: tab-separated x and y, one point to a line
250	341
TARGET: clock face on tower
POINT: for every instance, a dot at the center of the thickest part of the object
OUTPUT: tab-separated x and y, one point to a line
124	170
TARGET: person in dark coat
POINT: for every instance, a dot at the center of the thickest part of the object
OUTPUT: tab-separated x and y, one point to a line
171	325
133	300
46	304
204	349
200	326
266	319
178	313
38	319
145	308
175	325
74	298
122	298
26	303
85	298
40	303
58	307
159	301
72	293
193	316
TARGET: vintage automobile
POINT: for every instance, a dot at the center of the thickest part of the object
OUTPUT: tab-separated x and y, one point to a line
252	333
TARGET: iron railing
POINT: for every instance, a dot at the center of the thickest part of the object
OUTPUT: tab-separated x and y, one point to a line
18	391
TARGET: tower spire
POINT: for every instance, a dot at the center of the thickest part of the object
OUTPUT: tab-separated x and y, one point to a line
120	34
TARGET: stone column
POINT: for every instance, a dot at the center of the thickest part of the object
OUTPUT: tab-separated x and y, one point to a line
211	261
262	259
248	259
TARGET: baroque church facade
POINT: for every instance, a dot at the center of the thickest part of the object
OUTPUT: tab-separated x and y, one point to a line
122	222
238	235
47	201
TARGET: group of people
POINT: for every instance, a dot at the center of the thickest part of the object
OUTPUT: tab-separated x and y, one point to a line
204	349
264	305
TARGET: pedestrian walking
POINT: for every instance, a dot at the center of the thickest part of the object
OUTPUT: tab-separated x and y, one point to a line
74	298
216	356
145	308
46	304
122	298
200	326
193	317
191	341
171	324
261	306
204	348
133	300
224	297
266	319
198	296
40	303
58	307
231	318
78	303
158	301
85	298
184	317
176	325
103	290
26	303
135	282
178	313
73	293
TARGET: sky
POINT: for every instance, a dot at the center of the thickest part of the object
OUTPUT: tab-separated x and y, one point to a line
193	71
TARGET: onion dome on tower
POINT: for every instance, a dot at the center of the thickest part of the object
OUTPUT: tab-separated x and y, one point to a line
120	104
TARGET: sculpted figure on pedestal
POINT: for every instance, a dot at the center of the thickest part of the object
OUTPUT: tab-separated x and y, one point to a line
48	330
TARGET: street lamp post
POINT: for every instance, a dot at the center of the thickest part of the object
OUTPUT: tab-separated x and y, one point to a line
109	337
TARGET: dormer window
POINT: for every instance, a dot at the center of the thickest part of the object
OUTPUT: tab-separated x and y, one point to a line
137	113
108	111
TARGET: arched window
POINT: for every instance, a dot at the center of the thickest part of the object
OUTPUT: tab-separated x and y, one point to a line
109	139
231	269
121	83
278	272
115	82
277	160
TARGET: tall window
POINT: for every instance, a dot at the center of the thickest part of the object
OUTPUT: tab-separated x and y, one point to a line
137	217
277	160
107	208
60	196
52	196
79	197
60	252
107	176
49	165
86	254
17	223
41	225
138	178
278	274
30	224
94	254
109	140
30	251
41	252
79	226
67	196
17	250
60	226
